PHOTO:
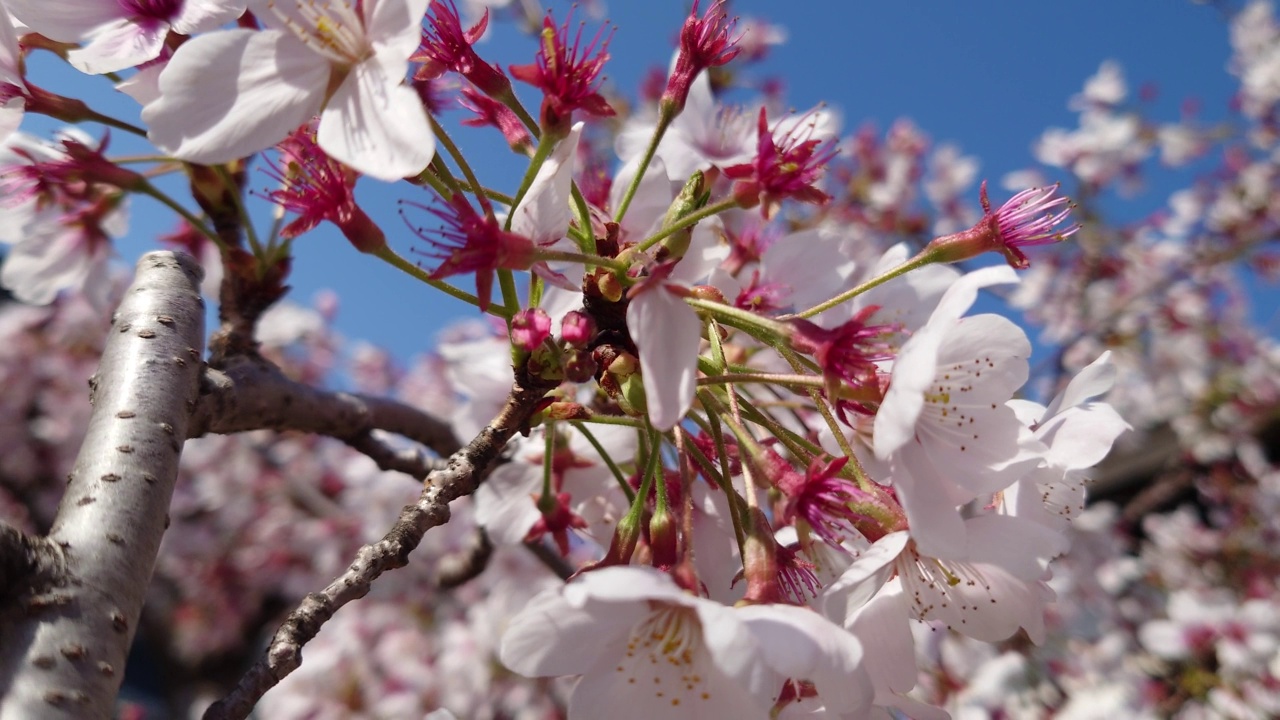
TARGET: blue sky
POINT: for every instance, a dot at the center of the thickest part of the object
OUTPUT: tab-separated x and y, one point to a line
989	77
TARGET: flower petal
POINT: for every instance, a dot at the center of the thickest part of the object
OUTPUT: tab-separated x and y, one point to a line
64	20
119	45
229	94
543	212
667	332
552	637
376	124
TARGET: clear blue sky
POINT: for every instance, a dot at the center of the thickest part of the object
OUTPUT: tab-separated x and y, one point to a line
989	77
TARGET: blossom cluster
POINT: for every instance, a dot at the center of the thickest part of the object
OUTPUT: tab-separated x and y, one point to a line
783	470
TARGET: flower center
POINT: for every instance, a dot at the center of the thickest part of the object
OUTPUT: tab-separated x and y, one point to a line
332	28
666	656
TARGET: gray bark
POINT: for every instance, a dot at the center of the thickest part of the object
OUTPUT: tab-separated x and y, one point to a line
67	622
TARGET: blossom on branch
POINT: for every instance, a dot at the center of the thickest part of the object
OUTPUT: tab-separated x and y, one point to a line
471	243
1032	217
704	42
446	46
232	93
568	75
788	166
319	188
123	34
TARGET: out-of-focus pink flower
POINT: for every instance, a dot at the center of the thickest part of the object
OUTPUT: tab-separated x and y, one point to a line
568	75
122	34
1032	217
319	188
446	46
704	42
529	328
785	167
471	243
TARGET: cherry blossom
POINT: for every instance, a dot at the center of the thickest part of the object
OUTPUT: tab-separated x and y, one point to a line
371	121
644	647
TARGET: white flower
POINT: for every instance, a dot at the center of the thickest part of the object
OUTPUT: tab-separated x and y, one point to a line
232	93
120	34
987	596
646	649
944	426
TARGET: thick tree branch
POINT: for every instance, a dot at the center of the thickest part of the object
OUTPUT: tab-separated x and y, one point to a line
63	642
458	478
249	393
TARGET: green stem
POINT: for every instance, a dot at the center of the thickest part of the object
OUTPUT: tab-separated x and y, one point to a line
916	262
749	322
687	221
759	377
582	259
608	461
390	256
238	198
535	163
546	502
185	214
447	142
664	121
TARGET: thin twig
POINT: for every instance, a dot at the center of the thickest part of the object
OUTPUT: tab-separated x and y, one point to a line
458	478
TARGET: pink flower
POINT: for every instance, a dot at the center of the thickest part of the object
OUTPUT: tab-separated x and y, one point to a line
787	167
569	76
319	188
820	497
1029	218
471	243
446	46
849	352
704	43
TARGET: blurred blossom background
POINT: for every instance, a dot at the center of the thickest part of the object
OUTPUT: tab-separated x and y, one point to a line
1160	121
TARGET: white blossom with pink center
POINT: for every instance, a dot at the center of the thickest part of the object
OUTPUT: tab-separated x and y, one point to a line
231	93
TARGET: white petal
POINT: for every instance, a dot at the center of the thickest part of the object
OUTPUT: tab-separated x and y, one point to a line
117	46
961	295
913	373
802	644
229	94
650	202
504	504
199	16
864	578
551	637
930	502
884	624
1093	380
376	124
64	20
991	540
1082	436
667	332
395	26
625	584
543	212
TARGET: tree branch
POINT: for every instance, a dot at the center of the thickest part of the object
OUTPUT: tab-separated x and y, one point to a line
250	393
63	642
458	478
